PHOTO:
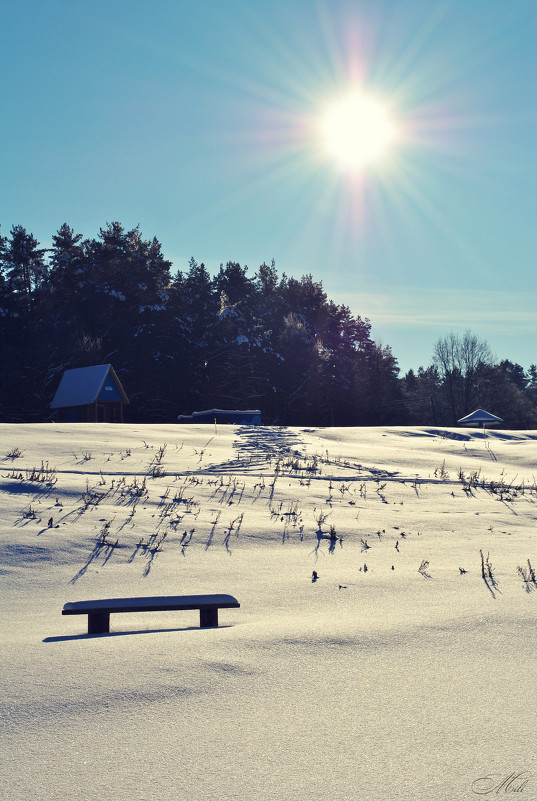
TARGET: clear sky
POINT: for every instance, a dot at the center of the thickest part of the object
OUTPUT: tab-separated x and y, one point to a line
200	120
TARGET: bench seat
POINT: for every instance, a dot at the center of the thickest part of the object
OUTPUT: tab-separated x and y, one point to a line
98	611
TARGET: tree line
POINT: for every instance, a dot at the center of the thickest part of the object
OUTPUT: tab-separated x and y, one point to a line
463	376
189	340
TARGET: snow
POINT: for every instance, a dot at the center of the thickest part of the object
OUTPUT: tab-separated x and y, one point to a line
154	307
228	311
480	417
151	602
378	684
115	294
80	386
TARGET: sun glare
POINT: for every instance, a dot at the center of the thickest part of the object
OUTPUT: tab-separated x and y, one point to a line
356	131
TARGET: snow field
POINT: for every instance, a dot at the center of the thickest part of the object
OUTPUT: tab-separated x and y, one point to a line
377	684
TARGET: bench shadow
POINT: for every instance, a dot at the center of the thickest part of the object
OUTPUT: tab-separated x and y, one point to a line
86	636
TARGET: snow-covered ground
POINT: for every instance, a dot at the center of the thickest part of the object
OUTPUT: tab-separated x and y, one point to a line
395	675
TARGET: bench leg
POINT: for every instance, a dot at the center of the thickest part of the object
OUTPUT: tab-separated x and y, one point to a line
98	622
208	618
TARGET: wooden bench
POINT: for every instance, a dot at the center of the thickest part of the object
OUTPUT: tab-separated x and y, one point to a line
98	612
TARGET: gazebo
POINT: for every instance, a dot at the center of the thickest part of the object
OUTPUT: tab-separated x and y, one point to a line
480	418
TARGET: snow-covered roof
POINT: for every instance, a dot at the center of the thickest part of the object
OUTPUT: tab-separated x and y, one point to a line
229	411
156	602
83	385
480	416
238	416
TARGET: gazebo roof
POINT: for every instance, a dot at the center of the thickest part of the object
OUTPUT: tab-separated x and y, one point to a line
480	417
82	386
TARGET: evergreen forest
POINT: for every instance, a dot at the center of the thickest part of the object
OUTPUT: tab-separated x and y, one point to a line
188	341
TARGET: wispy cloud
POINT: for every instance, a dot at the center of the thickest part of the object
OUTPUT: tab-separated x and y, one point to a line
490	310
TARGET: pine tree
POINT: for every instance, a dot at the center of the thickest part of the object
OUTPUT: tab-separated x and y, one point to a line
66	262
24	264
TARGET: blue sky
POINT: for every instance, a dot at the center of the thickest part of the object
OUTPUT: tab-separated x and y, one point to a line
199	122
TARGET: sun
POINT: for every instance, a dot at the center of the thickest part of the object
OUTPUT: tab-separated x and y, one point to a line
356	131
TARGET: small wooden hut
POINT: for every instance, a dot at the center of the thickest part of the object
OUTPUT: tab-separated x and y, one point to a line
90	395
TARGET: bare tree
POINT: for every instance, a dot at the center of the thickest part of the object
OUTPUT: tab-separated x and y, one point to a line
458	360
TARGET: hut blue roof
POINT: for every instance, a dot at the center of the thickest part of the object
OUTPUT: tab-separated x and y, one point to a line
85	385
